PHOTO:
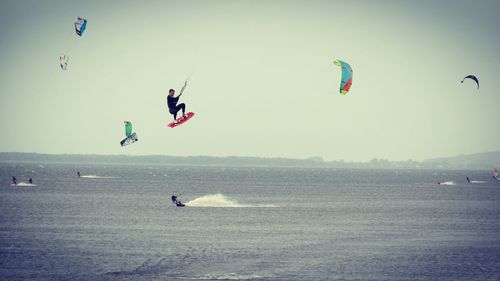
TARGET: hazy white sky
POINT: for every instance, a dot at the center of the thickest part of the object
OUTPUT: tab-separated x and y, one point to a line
262	79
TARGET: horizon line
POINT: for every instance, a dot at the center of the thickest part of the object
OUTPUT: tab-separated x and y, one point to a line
317	158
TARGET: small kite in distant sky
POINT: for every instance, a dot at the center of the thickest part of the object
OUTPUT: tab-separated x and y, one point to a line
472	77
80	26
346	76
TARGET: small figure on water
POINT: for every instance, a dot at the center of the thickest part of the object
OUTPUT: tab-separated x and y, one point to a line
177	202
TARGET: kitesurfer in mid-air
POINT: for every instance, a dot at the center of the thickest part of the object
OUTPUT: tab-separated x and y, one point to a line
63	61
173	107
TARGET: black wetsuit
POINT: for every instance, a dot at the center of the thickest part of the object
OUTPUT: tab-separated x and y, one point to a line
173	107
178	203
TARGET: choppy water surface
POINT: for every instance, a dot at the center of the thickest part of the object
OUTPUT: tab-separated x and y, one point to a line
117	223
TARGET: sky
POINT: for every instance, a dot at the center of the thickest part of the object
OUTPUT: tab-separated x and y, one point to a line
261	78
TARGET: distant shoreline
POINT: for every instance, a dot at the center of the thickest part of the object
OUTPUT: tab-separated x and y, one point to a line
478	161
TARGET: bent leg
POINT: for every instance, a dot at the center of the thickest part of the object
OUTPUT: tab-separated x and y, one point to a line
182	107
174	111
177	109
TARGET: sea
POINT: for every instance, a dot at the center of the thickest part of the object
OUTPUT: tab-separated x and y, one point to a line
117	222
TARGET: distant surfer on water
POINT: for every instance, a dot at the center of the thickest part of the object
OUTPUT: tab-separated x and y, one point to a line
31	181
14	180
177	202
468	180
78	173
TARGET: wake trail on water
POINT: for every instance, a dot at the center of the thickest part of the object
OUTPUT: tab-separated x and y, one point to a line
447	183
23	184
225	276
95	177
222	201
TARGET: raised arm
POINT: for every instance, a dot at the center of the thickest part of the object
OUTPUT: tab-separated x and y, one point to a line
183	88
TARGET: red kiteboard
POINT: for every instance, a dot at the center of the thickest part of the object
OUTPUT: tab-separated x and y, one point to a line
181	120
